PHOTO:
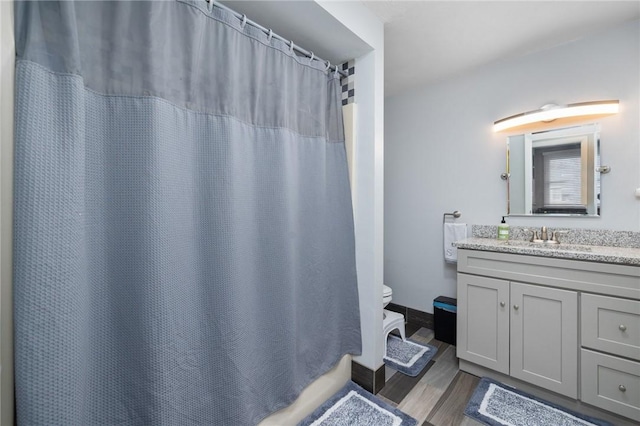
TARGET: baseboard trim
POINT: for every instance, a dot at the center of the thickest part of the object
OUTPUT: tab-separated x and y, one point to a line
413	316
372	381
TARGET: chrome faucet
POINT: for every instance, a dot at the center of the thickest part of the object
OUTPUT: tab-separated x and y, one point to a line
543	234
544	237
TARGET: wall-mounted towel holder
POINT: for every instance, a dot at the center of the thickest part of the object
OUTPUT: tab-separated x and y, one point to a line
456	214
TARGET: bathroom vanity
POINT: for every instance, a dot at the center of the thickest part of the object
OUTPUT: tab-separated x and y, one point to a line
566	319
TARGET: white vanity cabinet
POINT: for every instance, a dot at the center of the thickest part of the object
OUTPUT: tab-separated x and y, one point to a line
526	331
568	326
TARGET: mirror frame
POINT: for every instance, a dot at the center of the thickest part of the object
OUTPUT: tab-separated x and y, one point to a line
590	151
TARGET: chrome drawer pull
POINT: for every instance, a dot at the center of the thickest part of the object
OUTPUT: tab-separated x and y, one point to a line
622	327
622	388
516	307
502	304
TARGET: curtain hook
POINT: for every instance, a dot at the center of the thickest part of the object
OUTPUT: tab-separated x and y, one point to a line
291	46
210	6
270	35
244	21
328	66
311	58
335	72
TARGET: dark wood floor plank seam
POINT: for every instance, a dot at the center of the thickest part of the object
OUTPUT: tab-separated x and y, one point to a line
426	393
444	396
450	408
399	385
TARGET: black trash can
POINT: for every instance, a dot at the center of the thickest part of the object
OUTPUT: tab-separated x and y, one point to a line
444	319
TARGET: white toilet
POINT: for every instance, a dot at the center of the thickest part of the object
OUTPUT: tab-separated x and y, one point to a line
390	320
386	295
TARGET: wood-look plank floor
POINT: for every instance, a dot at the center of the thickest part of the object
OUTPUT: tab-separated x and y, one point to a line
439	394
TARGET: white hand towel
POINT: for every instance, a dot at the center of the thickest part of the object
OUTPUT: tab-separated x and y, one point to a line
453	232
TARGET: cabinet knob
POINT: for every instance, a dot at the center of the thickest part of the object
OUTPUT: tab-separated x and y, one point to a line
622	327
516	307
622	388
502	304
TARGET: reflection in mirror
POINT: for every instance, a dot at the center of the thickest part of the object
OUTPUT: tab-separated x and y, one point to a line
555	172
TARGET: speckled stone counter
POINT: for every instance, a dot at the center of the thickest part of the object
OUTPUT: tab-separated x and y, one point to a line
592	237
591	253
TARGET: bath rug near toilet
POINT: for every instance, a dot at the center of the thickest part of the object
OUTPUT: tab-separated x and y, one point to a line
408	357
496	404
354	406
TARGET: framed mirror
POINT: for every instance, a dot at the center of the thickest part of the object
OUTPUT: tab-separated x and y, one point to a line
555	172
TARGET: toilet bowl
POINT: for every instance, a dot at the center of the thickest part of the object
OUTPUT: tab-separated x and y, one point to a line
386	295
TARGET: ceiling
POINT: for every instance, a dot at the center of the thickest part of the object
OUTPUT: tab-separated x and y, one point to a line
308	24
428	41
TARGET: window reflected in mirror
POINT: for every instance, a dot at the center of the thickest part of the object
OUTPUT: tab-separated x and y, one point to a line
555	172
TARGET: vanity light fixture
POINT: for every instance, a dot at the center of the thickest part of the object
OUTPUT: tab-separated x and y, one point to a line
553	112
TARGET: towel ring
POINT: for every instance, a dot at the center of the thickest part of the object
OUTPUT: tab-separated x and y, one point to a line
456	214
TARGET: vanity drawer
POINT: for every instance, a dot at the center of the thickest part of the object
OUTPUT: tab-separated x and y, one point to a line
611	325
611	383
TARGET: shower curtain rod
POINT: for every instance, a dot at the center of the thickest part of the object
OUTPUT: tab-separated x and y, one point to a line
299	49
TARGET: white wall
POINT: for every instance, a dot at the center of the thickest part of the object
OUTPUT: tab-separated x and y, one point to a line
7	66
441	154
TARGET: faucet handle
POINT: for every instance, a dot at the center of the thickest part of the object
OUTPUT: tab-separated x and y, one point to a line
554	236
534	237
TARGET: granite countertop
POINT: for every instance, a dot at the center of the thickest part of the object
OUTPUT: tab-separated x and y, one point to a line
603	254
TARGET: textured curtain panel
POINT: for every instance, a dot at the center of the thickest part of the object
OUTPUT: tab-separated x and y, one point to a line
184	247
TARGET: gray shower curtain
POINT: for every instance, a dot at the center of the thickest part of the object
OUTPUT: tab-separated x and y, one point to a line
184	247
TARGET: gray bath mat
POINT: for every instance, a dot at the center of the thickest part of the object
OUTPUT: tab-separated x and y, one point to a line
408	357
354	406
496	404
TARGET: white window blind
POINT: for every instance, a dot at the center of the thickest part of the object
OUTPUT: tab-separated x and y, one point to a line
562	178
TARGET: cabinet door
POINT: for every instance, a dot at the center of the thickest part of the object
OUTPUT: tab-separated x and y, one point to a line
483	322
544	337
